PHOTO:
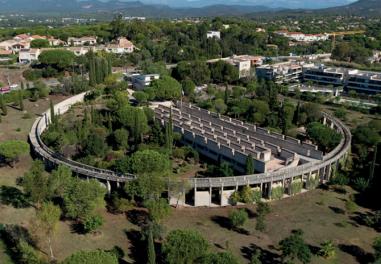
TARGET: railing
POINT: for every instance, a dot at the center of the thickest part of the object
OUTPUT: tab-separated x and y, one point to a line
90	171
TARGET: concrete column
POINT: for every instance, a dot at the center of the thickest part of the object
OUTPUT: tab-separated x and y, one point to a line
117	185
269	191
289	186
108	185
210	196
221	193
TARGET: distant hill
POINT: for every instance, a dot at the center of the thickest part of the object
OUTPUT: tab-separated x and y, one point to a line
369	8
361	7
127	8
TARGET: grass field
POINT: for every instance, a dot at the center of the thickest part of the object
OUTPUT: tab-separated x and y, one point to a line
320	213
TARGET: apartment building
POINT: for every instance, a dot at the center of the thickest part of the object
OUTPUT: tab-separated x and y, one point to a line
364	82
285	72
324	75
350	79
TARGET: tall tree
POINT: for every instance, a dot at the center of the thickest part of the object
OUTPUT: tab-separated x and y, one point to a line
151	254
36	183
3	105
21	100
249	165
48	216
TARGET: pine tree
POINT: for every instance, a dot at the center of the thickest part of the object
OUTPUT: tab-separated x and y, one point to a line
151	255
249	165
3	106
21	102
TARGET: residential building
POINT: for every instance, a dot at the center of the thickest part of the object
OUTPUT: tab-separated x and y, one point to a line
364	82
285	72
213	34
243	65
29	55
83	41
301	37
351	79
122	46
141	81
324	75
79	51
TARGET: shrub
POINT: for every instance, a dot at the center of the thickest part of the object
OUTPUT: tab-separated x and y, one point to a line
340	179
92	223
27	116
350	206
93	257
361	184
277	192
327	250
238	217
235	197
296	187
312	183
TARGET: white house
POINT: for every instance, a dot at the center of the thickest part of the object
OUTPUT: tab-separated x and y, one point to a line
29	55
83	41
213	34
122	46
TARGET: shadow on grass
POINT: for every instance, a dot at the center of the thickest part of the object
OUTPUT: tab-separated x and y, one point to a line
224	222
137	247
336	210
14	197
357	252
365	219
137	217
266	256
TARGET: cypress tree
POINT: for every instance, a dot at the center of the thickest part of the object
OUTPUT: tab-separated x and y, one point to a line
169	134
52	114
282	119
21	102
109	122
295	119
104	69
98	70
151	255
249	165
109	64
226	95
3	106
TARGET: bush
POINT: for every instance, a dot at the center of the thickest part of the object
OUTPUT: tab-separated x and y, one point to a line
296	187
327	250
360	184
238	217
312	183
92	257
340	179
350	206
277	192
92	223
121	205
235	197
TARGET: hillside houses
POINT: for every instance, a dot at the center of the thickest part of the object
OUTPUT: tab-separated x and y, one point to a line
301	37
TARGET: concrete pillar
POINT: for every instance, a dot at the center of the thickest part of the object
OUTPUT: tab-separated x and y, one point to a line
108	185
324	120
221	193
289	186
210	196
269	189
117	185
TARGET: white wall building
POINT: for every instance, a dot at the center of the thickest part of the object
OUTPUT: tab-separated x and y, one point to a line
213	34
122	46
83	41
139	82
29	55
